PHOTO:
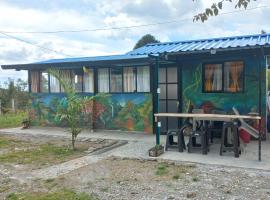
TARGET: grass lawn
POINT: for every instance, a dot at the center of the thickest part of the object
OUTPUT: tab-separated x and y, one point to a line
45	154
58	195
20	152
12	119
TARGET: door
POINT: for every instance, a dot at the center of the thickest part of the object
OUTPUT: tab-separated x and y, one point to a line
169	97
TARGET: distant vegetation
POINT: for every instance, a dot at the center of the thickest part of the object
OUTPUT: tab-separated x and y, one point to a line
10	120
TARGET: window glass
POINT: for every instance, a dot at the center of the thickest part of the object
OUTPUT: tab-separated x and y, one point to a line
172	75
34	81
66	76
233	76
162	75
54	84
116	80
143	79
129	74
103	80
213	77
78	80
88	80
44	82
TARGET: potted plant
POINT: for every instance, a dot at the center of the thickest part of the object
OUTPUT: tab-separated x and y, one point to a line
156	151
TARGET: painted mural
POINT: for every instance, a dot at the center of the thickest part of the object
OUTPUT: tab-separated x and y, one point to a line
129	112
245	102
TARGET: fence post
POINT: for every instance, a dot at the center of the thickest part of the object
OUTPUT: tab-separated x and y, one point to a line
0	107
13	105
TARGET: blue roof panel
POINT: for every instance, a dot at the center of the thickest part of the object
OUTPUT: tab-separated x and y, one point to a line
204	44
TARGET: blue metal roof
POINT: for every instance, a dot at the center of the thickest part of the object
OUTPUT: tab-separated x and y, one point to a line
93	59
247	41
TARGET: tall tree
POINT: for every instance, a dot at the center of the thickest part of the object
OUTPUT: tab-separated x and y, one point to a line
217	6
146	39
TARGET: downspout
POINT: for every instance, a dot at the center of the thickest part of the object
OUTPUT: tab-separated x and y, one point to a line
157	100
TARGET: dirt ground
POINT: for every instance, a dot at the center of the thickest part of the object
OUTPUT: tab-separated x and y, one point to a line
123	178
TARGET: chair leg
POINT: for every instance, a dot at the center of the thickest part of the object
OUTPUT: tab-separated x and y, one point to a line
167	143
180	143
222	140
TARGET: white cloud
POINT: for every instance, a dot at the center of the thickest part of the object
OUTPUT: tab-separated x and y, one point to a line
18	15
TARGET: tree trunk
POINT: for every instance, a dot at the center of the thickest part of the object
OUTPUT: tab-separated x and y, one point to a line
73	142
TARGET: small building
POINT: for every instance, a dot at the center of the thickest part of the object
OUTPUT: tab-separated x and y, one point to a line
211	74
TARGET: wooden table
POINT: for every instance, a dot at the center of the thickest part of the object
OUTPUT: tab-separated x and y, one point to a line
209	117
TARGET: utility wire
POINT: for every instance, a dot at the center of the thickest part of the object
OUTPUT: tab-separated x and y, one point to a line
127	27
33	44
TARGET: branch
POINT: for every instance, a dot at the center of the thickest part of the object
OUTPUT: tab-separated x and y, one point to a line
216	7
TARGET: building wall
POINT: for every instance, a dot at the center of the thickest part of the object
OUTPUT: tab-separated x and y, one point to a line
245	102
130	112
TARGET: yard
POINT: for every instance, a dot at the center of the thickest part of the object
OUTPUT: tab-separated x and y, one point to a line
115	177
11	120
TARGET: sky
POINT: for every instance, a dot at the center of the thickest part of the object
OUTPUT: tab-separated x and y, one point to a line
49	15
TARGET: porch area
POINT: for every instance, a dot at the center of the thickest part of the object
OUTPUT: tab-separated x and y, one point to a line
138	145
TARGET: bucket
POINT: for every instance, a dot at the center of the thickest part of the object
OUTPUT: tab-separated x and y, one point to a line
244	135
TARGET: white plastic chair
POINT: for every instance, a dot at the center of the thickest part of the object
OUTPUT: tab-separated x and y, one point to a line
245	126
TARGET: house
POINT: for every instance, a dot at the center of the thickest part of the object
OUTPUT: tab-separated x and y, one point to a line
212	74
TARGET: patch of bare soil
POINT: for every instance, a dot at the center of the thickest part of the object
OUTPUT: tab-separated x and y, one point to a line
116	178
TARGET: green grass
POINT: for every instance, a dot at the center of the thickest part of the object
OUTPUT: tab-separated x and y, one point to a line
58	195
40	155
161	170
12	119
6	142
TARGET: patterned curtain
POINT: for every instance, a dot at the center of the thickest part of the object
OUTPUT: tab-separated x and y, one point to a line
34	81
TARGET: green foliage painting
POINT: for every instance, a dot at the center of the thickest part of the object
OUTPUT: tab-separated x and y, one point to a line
129	112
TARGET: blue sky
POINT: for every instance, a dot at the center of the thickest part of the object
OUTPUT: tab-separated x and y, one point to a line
42	15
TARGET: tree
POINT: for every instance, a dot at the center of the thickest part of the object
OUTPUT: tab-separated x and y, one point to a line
72	106
216	7
146	39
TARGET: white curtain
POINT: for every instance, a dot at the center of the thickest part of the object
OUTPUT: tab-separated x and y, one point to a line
88	80
217	79
143	79
129	79
54	84
103	80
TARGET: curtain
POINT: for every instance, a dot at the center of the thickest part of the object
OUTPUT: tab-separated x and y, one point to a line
233	72
103	80
129	79
213	77
34	81
88	80
116	80
54	84
143	79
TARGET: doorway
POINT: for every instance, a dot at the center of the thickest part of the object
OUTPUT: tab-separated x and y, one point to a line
169	98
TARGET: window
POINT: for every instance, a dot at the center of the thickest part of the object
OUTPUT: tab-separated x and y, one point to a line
54	84
34	75
129	79
213	77
226	77
78	80
233	76
116	80
103	80
143	79
88	80
44	82
67	76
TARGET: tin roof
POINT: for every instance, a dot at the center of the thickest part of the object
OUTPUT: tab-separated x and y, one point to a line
189	46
